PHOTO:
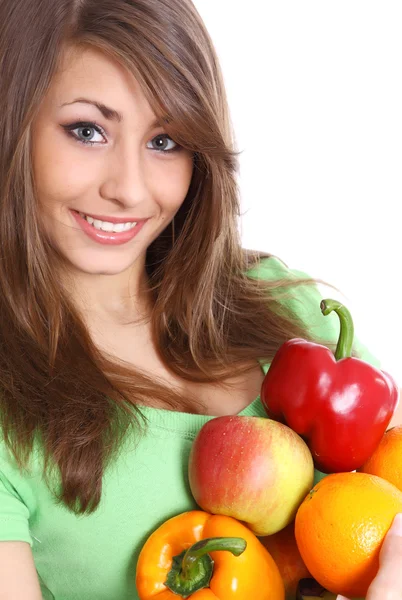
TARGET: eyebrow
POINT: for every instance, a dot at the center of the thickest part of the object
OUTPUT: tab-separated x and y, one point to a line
109	113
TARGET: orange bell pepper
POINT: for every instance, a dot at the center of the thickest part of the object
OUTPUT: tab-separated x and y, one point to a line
200	556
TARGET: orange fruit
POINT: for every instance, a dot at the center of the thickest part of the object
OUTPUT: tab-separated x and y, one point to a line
283	549
386	460
340	527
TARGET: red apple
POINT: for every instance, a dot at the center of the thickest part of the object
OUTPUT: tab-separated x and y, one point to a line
250	468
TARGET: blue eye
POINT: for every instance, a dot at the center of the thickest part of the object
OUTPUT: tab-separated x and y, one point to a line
164	138
85	133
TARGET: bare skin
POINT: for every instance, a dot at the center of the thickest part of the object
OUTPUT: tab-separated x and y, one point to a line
214	400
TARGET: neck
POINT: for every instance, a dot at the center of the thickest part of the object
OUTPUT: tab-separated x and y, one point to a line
113	299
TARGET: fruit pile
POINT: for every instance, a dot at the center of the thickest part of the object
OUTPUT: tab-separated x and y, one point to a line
265	531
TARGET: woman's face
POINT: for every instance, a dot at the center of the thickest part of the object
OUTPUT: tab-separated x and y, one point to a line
100	169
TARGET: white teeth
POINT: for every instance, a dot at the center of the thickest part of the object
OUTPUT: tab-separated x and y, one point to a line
119	227
107	226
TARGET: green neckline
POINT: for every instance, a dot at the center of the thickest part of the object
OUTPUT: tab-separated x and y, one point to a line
190	423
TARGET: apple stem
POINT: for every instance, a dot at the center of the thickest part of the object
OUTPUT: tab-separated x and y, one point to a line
192	569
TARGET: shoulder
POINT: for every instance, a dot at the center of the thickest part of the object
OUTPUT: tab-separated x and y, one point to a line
271	268
268	266
303	301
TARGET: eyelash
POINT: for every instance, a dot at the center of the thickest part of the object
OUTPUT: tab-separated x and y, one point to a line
93	125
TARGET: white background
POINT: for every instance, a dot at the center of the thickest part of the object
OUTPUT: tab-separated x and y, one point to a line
315	93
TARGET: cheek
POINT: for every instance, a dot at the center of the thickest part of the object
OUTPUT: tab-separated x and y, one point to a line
58	174
175	185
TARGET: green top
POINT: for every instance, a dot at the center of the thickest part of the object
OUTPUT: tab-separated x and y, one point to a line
94	557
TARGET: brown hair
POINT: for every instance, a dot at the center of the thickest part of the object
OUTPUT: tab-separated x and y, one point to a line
209	320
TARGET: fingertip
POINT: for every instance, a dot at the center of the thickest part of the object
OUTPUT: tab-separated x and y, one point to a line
396	527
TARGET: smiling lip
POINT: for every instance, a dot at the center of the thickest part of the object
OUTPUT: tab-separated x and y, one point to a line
113	219
108	238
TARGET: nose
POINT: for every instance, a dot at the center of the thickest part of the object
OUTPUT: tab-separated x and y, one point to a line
125	181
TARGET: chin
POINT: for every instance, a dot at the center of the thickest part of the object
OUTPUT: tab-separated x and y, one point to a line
102	265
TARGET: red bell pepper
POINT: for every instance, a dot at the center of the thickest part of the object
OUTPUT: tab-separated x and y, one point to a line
341	406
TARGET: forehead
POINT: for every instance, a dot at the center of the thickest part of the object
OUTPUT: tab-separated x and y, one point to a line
91	73
79	62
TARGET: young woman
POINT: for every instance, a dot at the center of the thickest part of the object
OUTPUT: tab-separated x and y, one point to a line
129	313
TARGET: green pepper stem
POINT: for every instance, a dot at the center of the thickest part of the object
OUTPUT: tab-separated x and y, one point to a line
234	545
346	334
193	568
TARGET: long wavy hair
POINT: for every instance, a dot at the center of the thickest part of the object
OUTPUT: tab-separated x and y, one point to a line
210	321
